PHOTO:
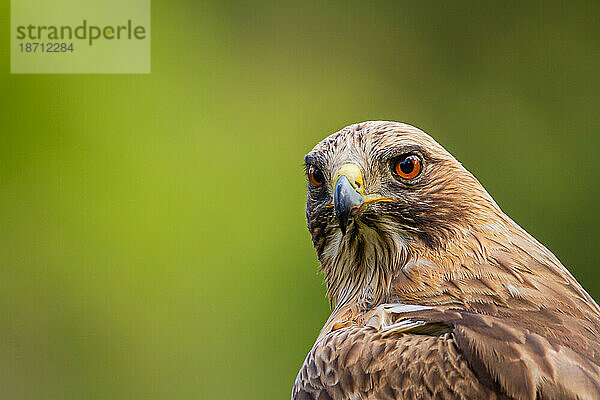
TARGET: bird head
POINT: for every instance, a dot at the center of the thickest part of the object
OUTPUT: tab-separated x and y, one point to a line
379	192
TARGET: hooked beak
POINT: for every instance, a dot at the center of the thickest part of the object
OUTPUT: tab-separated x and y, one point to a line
347	193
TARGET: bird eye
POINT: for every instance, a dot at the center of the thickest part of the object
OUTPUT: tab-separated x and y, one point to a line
315	176
408	166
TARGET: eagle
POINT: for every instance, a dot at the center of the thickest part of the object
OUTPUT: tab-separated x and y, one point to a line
435	292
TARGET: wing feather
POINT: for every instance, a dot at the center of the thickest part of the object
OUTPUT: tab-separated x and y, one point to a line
364	362
520	360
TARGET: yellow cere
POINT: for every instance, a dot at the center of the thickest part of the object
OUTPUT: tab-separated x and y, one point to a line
354	175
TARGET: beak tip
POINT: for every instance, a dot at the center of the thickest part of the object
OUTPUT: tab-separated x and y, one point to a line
345	199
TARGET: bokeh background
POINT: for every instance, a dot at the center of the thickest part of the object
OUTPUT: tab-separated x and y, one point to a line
152	233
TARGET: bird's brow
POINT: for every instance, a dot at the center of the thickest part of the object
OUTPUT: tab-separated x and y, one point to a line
313	160
396	151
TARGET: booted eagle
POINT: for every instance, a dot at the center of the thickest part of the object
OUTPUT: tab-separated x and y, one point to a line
436	293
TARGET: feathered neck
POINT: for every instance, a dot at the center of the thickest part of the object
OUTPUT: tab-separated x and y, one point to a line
359	266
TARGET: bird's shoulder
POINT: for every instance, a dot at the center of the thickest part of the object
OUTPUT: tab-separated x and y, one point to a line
408	351
526	358
518	318
374	360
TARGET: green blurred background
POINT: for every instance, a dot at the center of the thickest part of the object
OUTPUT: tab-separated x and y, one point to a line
152	233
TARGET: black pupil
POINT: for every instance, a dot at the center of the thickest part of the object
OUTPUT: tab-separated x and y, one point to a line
318	175
407	165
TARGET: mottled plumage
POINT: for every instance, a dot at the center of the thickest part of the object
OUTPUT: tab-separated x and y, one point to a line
436	293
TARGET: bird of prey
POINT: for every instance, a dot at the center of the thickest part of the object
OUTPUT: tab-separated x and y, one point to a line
436	293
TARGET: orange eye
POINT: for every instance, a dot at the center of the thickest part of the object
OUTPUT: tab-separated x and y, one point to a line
408	166
315	176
